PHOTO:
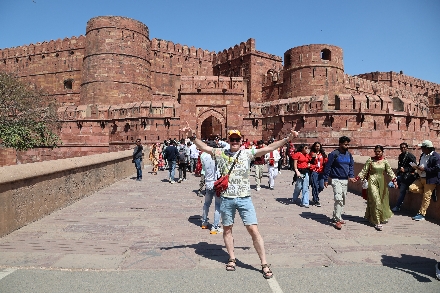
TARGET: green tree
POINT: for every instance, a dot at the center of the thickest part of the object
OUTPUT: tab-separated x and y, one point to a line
27	118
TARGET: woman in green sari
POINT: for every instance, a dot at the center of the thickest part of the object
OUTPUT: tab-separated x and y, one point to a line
378	205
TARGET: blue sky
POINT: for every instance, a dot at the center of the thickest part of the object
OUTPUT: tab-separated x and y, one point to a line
376	35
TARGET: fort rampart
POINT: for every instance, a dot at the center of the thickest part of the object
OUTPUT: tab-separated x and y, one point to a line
32	191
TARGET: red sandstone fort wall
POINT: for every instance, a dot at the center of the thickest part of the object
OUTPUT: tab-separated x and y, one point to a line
244	61
169	61
54	66
116	85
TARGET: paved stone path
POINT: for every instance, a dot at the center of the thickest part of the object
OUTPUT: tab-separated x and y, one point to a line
153	226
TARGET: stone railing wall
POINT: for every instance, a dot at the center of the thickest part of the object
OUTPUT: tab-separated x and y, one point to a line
412	202
29	192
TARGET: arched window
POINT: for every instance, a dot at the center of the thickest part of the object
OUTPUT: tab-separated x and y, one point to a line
68	84
326	54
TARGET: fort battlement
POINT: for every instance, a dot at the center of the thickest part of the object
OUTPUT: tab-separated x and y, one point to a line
235	52
52	46
401	81
357	84
181	50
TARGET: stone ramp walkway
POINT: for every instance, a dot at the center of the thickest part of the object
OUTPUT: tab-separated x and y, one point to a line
149	234
154	225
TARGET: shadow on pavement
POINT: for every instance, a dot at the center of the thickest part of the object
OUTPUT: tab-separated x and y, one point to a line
356	219
196	220
320	218
418	266
213	252
285	201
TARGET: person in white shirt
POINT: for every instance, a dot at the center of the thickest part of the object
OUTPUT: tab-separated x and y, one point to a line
272	158
209	167
194	155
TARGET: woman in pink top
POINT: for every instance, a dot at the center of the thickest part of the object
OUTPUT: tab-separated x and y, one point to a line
319	158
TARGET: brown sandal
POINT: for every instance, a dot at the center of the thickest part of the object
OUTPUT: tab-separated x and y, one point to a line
231	267
266	274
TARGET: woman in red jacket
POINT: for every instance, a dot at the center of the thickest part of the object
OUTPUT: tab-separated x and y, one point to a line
318	160
301	167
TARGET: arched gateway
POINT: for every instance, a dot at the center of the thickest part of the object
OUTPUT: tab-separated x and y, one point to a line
212	124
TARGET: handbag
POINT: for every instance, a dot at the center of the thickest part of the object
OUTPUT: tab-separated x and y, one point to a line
221	184
409	178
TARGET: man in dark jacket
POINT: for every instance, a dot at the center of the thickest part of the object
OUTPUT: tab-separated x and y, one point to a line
339	167
137	159
428	169
404	171
171	155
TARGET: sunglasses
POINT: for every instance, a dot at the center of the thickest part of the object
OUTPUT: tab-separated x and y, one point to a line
233	139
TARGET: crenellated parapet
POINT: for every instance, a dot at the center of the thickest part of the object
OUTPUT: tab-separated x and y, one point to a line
234	52
403	82
53	46
172	49
135	110
355	84
211	84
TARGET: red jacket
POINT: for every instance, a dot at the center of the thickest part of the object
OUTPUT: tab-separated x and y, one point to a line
318	164
303	160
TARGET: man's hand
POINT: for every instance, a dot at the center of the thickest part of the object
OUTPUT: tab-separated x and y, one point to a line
352	180
293	134
325	184
187	130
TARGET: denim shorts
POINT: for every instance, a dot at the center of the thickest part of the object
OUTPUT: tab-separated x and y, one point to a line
245	209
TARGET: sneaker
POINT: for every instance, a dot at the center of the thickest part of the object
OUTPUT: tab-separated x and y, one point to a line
418	217
184	179
180	180
434	195
271	188
205	225
172	181
199	194
304	206
338	225
396	209
217	230
138	179
318	204
258	188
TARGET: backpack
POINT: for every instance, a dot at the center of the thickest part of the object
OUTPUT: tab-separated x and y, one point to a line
182	155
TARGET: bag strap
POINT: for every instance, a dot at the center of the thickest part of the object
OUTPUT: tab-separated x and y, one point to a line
233	164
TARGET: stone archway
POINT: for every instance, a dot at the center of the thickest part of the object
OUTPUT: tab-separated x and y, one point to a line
211	128
212	124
